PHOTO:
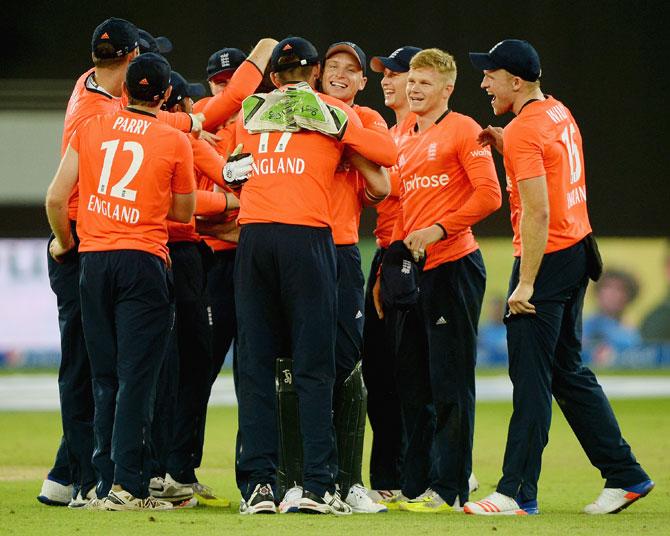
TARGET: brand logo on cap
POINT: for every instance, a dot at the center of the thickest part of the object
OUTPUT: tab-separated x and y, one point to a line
225	59
395	53
144	82
287	46
104	36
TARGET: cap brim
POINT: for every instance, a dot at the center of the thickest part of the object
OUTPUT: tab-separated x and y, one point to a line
482	61
379	63
196	90
164	45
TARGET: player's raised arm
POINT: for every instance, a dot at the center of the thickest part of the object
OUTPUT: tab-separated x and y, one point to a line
243	83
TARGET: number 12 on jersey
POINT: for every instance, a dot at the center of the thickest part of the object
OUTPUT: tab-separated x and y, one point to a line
119	189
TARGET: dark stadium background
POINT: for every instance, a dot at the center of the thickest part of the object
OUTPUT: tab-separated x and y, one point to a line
606	60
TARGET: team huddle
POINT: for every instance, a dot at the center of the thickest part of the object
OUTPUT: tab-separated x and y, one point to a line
181	228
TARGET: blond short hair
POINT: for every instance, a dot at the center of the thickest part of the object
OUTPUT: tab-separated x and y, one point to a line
434	58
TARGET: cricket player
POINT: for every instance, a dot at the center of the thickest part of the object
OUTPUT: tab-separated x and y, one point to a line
99	90
357	181
379	334
554	257
285	274
448	184
133	173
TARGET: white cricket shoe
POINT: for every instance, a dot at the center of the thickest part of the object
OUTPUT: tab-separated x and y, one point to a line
330	503
613	500
169	489
495	504
262	501
361	503
81	501
379	495
394	502
291	501
54	493
123	500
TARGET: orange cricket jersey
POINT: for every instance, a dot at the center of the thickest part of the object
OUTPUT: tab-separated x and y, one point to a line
544	140
387	210
219	108
129	165
87	100
292	173
447	178
347	191
224	147
208	164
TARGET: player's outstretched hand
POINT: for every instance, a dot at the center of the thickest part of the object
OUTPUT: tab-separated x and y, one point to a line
238	168
492	136
210	138
196	123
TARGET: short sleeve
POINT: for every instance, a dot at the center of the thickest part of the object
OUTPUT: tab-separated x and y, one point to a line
523	148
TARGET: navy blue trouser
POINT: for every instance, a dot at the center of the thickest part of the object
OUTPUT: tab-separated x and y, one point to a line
545	360
73	459
379	351
286	304
350	305
192	340
436	378
126	314
221	299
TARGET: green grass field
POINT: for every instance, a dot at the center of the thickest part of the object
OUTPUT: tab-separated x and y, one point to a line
28	442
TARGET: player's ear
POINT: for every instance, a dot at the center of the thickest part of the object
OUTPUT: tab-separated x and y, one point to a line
364	81
275	80
168	91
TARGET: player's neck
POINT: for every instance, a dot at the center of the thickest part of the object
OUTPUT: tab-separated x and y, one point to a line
152	110
534	95
401	114
111	80
428	119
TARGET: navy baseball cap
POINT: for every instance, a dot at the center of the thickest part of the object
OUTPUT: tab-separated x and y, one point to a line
182	89
349	48
296	46
148	77
400	277
226	59
157	45
397	61
514	55
119	33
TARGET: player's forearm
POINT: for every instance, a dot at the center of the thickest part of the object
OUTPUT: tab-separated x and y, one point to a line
534	231
485	199
377	185
179	120
210	203
57	214
376	146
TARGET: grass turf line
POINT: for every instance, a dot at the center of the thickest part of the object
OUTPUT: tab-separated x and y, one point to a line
28	442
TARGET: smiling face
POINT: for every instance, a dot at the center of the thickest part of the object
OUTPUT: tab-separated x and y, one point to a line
393	86
428	91
342	77
503	87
